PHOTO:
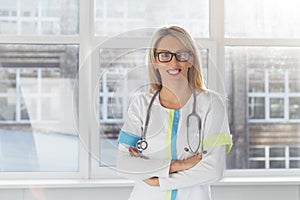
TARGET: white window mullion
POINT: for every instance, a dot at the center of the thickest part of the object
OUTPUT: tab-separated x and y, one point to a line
287	157
267	96
105	21
267	157
18	96
127	20
39	95
286	96
104	97
39	18
19	18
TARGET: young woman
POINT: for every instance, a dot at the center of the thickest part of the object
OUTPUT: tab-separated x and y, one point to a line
175	137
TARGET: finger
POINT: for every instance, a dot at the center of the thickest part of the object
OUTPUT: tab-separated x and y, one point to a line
134	152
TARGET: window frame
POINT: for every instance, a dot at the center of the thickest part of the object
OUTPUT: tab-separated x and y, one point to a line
88	77
230	175
267	95
79	39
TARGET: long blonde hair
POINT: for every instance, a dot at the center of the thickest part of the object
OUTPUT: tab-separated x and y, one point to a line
195	77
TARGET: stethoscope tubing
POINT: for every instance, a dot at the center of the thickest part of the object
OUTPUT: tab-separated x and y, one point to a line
142	144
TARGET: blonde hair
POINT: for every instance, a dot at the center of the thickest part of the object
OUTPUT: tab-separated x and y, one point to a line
195	77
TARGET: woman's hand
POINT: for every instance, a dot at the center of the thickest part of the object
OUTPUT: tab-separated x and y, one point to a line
134	152
176	165
152	181
180	165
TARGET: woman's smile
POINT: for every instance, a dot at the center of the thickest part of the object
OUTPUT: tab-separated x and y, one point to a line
174	72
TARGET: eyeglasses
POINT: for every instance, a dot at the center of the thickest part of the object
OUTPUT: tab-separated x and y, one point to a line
166	56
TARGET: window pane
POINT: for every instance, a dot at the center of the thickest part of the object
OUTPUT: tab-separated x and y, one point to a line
262	19
256	108
257	152
277	152
8	108
276	81
276	108
294	108
257	165
256	80
294	80
8	81
294	152
123	73
114	16
277	164
33	17
38	102
295	164
273	110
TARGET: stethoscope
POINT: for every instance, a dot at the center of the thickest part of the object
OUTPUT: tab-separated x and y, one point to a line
142	143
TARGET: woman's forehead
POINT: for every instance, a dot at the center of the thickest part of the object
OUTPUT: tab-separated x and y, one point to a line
170	43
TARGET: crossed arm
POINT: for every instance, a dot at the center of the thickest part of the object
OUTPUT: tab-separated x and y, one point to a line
175	166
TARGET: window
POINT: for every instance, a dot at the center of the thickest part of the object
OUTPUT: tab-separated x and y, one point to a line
113	17
68	83
262	83
262	19
35	82
33	17
269	157
39	94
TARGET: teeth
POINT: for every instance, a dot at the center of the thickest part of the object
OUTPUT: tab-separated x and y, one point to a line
173	72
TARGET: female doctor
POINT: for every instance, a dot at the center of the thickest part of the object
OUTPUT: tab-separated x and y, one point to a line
175	137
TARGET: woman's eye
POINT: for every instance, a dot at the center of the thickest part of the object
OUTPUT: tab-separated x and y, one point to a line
166	55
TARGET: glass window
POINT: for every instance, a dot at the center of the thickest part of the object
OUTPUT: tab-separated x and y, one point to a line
114	17
257	164
295	163
276	108
277	164
294	80
262	19
38	103
257	152
256	108
256	80
277	81
294	108
259	78
294	152
277	152
33	17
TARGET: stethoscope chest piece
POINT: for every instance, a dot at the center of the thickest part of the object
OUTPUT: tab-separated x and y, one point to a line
141	145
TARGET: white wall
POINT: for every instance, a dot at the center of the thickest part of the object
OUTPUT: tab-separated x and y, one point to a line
219	192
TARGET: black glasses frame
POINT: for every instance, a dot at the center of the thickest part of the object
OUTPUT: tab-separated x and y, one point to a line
177	56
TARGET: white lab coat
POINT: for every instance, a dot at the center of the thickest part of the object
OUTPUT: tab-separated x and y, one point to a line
189	184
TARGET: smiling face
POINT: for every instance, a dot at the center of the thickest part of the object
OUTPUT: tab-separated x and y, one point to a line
176	70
